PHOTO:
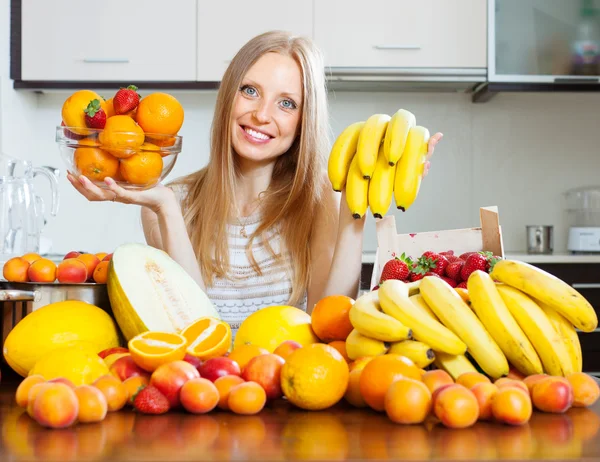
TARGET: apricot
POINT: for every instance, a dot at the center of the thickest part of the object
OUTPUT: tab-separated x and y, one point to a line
436	378
199	396
16	270
585	389
553	394
512	406
531	380
586	423
484	393
266	371
133	385
71	271
91	261
170	377
93	405
224	385
101	255
34	391
31	257
360	363
340	345
247	398
63	380
352	394
468	379
506	382
42	270
244	353
287	348
56	406
515	374
101	272
22	394
114	391
71	254
408	401
456	407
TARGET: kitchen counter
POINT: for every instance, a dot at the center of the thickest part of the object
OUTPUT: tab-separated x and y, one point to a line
281	432
369	257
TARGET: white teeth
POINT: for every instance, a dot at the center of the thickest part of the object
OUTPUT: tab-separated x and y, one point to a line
255	134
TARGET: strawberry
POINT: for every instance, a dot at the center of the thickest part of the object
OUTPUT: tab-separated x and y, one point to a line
397	268
453	270
474	262
375	288
462	285
438	263
453	258
431	273
95	117
452	282
492	262
466	255
416	276
447	253
149	400
126	99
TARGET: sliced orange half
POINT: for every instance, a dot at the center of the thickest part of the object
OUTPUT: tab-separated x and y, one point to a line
207	337
152	349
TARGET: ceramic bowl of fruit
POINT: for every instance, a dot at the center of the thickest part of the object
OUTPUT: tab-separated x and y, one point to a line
131	139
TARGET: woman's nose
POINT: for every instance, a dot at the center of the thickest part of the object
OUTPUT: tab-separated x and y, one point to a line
262	114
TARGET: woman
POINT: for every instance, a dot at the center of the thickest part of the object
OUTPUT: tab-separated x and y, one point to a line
260	225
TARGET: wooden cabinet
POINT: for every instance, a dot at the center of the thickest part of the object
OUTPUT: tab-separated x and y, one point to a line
402	33
222	32
112	40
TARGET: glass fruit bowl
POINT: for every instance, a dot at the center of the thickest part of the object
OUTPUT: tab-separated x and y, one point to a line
135	160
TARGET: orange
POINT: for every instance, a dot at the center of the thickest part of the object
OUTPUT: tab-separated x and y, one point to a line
207	338
16	270
380	373
330	318
314	377
244	353
101	272
109	108
160	113
96	164
152	349
340	346
247	398
121	136
143	168
73	108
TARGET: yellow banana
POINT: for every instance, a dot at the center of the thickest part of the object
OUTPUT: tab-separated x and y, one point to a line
358	345
369	141
454	313
548	289
455	365
418	352
357	190
418	301
410	168
381	186
538	328
569	338
491	310
341	155
394	301
396	134
366	318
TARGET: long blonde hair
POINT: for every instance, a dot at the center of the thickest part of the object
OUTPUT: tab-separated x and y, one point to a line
298	176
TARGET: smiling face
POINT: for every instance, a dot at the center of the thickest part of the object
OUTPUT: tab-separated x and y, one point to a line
267	108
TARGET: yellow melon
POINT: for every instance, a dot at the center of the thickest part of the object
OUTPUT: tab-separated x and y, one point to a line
58	325
271	326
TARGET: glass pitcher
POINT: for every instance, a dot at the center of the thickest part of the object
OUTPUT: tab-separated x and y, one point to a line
22	212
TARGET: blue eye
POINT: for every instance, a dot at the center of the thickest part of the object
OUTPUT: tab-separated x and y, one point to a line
288	104
248	90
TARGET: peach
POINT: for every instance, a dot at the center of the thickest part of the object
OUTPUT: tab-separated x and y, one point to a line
512	405
91	261
71	271
125	367
224	385
92	404
31	257
22	394
63	380
34	391
266	371
170	377
484	393
553	394
360	363
287	348
456	407
114	391
585	389
531	380
506	382
56	406
71	254
247	398
214	368
468	379
16	270
42	270
199	396
407	401
133	385
352	394
109	351
436	378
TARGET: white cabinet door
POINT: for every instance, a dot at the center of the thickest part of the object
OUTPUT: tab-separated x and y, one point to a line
124	40
402	33
225	26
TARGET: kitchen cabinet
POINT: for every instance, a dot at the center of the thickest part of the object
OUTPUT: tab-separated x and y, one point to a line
222	32
112	40
402	33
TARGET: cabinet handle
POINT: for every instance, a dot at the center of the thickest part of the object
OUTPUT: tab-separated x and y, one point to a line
106	61
397	47
582	285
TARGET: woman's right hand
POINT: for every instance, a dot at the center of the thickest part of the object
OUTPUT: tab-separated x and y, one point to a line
153	198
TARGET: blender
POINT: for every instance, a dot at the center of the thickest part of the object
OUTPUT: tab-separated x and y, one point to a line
583	206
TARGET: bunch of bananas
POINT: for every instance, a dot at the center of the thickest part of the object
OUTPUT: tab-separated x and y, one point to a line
527	319
377	159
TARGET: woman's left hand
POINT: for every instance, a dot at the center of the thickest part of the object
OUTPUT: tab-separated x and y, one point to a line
433	141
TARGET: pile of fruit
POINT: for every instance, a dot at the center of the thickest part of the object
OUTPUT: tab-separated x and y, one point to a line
379	158
76	268
124	137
